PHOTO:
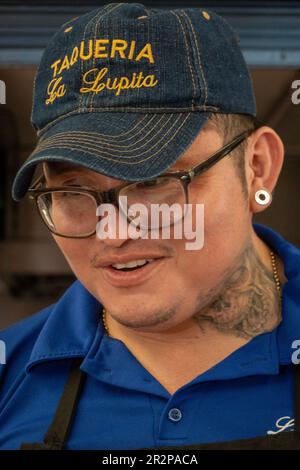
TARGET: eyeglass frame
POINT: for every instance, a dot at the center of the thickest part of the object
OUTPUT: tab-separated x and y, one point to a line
111	196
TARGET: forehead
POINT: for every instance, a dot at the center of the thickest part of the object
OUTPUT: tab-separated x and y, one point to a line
207	142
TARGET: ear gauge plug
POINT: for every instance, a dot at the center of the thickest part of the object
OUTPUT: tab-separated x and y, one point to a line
262	197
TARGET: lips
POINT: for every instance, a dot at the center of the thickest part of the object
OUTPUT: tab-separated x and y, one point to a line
106	261
132	277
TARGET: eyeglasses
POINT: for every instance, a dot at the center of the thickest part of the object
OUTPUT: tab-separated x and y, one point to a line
71	212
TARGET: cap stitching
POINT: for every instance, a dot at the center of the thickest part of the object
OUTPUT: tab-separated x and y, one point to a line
45	145
104	10
94	19
91	101
115	148
199	56
81	63
89	98
129	109
69	135
33	98
97	137
86	149
188	55
116	135
71	113
65	136
69	21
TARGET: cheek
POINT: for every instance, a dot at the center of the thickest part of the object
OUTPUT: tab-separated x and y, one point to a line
225	206
226	224
76	252
226	227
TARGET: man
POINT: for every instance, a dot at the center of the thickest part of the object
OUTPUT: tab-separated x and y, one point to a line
155	344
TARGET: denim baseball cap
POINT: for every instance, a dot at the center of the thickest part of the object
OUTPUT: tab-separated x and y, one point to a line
124	90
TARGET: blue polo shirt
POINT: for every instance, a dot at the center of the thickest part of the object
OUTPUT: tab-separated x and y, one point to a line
122	406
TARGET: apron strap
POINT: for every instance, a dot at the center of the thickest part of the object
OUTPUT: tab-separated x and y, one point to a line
57	434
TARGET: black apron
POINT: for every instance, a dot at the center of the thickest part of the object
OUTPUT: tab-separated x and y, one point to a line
57	434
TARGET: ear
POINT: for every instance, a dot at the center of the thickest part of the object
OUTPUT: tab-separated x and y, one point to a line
264	160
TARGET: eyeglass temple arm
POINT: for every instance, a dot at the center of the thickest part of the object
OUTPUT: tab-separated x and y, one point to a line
219	155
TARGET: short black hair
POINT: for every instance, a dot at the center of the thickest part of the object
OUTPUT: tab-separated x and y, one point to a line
228	127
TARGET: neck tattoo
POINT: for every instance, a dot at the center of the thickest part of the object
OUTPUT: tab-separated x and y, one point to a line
244	306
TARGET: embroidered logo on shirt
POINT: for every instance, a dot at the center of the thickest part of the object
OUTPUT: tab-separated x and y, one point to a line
282	424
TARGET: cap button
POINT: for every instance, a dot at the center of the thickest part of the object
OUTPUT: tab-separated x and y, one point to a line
142	17
206	15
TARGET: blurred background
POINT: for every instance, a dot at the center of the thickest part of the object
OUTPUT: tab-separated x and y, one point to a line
33	273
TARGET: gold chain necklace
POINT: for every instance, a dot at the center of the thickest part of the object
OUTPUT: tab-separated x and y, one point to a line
104	321
275	275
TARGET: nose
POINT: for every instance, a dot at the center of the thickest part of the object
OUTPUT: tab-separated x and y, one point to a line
112	228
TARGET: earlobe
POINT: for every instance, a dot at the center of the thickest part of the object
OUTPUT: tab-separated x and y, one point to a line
261	199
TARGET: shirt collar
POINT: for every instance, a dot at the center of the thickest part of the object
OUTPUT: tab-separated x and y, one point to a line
70	327
74	329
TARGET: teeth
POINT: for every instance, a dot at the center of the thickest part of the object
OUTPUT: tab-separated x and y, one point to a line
132	264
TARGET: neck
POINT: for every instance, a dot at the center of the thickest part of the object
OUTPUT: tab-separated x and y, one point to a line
249	301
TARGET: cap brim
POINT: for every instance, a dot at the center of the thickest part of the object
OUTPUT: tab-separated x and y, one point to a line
122	145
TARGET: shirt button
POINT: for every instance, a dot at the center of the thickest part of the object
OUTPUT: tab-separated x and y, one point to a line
175	414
